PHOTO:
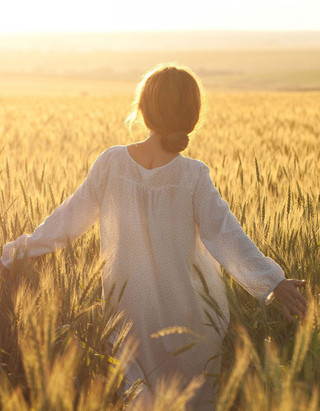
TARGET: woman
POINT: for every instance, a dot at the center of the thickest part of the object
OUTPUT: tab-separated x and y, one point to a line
161	217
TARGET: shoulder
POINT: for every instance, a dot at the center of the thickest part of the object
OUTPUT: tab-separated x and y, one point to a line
195	162
109	153
194	170
196	166
103	163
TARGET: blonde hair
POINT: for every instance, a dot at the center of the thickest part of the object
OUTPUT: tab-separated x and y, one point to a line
169	98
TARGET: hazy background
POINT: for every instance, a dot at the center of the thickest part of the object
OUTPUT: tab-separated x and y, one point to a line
99	47
102	63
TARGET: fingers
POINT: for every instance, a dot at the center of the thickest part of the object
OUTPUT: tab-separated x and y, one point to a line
290	310
294	308
299	297
299	283
302	307
291	300
298	303
301	300
287	313
295	296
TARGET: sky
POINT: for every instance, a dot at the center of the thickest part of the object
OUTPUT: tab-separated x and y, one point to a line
18	16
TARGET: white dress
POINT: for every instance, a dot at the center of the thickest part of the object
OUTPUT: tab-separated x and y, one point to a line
154	225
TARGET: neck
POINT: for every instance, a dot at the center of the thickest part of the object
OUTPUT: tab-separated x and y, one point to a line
153	141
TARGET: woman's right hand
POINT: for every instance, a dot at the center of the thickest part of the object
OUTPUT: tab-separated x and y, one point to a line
291	300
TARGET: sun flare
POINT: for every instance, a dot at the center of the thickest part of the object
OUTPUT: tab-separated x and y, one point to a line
125	15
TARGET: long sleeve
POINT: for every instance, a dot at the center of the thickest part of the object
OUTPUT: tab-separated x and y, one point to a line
68	221
225	239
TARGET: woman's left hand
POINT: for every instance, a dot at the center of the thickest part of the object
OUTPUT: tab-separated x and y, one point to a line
291	300
3	270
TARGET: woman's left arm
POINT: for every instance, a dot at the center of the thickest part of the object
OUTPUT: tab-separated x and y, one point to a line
69	220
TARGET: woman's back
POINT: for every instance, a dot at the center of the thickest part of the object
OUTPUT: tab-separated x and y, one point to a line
149	236
149	154
148	228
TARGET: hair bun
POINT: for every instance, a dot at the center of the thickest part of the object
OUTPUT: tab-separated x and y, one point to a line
175	141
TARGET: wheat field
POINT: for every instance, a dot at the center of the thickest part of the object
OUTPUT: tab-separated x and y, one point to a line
263	149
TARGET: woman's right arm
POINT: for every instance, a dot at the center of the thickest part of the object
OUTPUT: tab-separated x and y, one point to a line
67	222
225	239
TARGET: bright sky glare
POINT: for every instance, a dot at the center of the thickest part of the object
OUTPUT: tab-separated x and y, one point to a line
139	15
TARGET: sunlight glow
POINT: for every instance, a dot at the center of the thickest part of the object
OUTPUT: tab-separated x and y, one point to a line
126	15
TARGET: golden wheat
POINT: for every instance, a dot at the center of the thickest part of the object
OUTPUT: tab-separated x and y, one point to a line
263	151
